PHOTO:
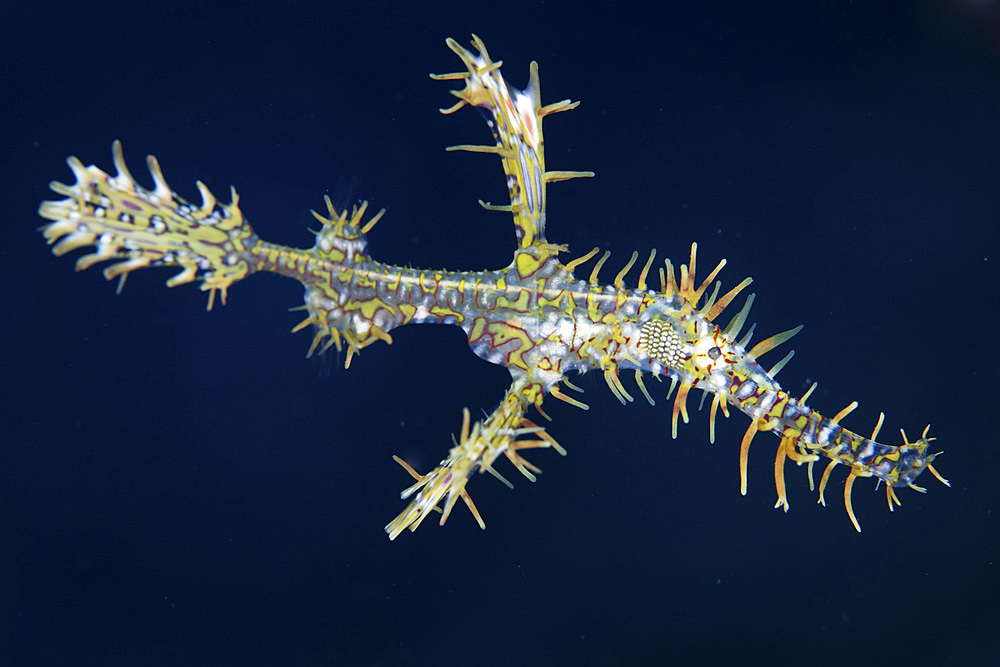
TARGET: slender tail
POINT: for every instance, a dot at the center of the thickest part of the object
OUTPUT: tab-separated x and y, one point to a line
806	435
124	221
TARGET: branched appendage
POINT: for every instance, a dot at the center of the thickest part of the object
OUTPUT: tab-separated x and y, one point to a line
124	221
477	449
517	128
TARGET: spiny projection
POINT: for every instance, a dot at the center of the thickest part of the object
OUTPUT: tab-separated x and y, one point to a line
535	316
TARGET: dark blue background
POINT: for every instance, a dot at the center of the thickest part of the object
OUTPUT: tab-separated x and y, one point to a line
183	487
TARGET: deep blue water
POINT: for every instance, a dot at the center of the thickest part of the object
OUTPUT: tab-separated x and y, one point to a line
182	487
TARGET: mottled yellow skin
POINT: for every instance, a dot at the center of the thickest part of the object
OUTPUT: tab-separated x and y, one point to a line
534	317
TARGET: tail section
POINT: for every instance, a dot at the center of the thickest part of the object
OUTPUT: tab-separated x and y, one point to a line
124	221
806	435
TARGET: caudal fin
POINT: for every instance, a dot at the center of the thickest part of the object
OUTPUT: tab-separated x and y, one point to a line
136	227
